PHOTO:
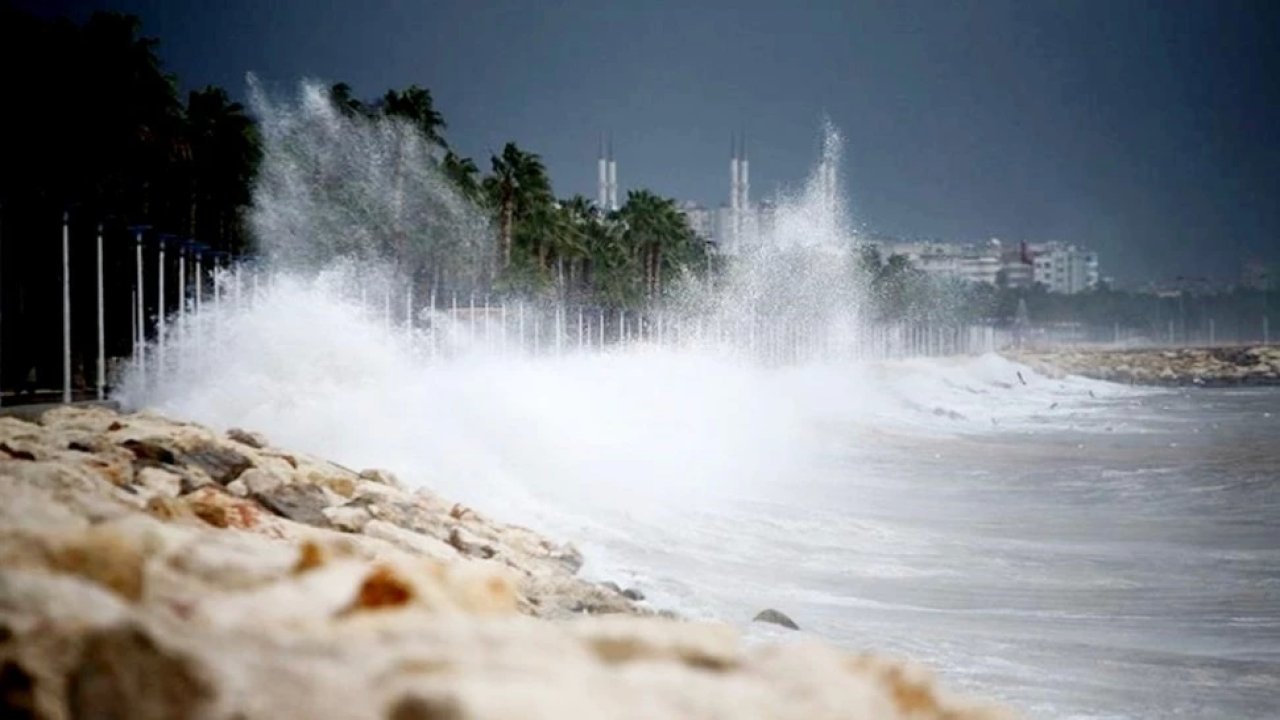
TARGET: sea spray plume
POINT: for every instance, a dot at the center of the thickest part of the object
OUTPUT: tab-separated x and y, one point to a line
796	269
336	184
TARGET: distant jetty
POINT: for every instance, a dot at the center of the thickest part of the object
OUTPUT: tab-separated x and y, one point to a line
1171	367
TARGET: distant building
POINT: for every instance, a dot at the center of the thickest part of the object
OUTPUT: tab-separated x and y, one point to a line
1017	267
976	263
1065	269
1060	268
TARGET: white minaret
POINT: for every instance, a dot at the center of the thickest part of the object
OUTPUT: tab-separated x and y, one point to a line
613	178
734	195
602	178
744	176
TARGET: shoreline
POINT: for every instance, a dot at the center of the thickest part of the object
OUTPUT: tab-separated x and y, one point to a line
261	583
1210	367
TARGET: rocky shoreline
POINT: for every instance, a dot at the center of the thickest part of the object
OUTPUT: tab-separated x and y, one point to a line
156	569
1180	367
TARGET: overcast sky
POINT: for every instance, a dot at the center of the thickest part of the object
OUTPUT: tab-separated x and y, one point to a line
1147	130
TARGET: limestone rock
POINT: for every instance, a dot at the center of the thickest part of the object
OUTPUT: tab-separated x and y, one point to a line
300	503
258	481
777	618
221	464
384	477
254	440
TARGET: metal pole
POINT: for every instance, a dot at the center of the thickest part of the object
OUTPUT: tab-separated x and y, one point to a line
182	290
408	311
133	320
160	316
140	317
199	279
102	335
66	307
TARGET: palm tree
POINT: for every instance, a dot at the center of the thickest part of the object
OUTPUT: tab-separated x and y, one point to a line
660	235
415	105
464	175
520	192
340	96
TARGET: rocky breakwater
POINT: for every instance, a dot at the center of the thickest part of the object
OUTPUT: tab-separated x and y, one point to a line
156	569
1212	367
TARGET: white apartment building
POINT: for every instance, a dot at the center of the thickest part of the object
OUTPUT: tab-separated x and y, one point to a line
1065	269
977	263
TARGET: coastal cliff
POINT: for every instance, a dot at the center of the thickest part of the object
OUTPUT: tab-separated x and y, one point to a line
151	568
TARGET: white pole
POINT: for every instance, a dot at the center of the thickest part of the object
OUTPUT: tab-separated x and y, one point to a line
102	335
140	297
408	311
182	292
133	320
66	307
160	319
199	280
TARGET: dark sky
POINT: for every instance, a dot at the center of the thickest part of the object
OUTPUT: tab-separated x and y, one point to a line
1147	130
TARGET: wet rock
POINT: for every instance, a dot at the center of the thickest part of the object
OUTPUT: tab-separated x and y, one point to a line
610	585
633	594
257	441
568	556
777	618
221	464
300	503
467	545
150	451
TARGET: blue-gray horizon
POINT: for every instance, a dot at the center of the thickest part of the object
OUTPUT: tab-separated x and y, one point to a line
1147	131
